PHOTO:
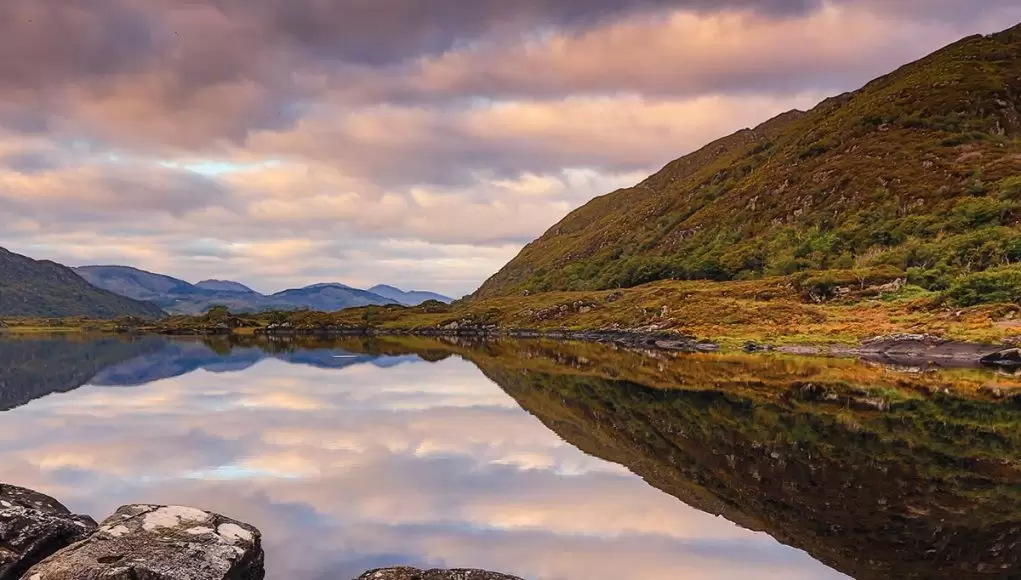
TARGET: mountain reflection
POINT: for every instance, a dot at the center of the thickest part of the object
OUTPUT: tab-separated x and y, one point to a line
356	453
31	368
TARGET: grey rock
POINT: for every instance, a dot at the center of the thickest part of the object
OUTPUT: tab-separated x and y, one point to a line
160	543
800	350
1010	357
752	346
33	526
885	341
404	573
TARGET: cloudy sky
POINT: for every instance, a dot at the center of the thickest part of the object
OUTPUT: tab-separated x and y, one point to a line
414	142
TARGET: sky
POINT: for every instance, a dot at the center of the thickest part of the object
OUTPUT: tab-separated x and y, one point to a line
418	143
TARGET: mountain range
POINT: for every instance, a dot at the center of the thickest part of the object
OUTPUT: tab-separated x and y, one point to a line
41	288
919	170
177	296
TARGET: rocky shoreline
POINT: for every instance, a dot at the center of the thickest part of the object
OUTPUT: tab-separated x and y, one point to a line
898	349
40	539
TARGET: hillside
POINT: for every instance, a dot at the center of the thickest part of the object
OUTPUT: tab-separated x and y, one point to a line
47	289
920	171
134	283
179	297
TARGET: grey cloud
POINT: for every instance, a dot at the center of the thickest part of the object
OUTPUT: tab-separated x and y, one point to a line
186	74
956	12
653	59
387	31
173	74
30	162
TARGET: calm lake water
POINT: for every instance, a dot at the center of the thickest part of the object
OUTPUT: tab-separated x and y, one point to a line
541	460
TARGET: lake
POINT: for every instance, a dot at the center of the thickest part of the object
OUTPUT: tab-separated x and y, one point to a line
545	460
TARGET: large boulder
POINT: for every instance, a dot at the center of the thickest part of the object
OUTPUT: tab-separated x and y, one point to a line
160	543
404	573
32	527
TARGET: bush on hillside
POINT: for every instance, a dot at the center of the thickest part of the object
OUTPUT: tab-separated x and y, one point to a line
990	286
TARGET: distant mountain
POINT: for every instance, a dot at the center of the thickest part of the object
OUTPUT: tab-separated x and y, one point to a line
171	294
134	283
41	288
330	297
224	286
408	298
179	297
919	170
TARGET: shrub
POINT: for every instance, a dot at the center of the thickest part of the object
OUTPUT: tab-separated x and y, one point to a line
990	286
813	150
1010	187
824	284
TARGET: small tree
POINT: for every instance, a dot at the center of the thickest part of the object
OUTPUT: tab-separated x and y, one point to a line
218	313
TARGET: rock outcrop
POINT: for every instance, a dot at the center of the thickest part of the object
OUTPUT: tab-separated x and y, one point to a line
160	543
911	348
34	526
404	573
40	539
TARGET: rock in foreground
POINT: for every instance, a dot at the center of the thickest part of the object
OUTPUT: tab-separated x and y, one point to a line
404	573
160	543
34	526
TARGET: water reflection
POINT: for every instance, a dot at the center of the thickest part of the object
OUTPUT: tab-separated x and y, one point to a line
358	453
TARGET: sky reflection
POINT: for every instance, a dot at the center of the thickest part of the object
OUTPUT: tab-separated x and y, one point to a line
382	461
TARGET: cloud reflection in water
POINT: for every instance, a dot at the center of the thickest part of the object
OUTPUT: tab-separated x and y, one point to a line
380	462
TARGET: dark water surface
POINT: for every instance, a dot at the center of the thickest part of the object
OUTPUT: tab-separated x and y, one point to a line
549	461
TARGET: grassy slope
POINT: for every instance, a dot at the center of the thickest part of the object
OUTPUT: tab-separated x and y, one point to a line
917	170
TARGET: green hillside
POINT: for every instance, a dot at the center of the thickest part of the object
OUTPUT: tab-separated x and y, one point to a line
920	171
40	288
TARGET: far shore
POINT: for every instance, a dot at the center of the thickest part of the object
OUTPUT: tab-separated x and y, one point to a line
730	315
